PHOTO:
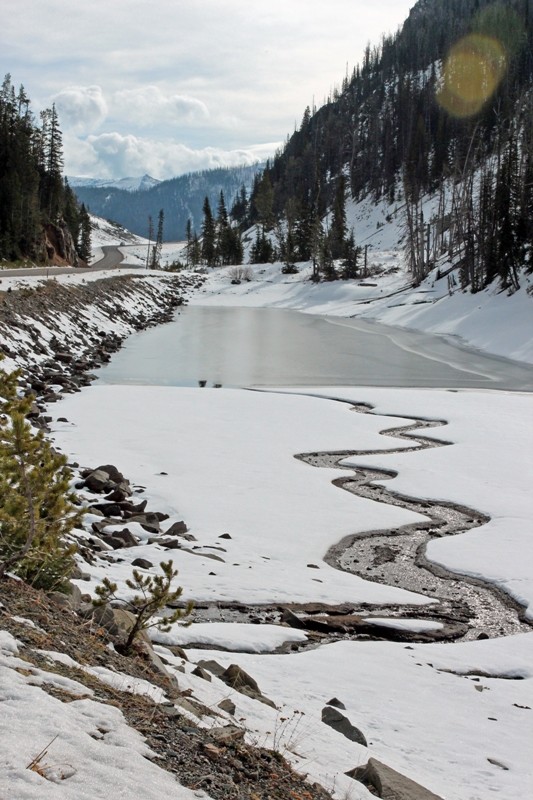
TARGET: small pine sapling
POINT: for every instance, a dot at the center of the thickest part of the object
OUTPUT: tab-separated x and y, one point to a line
36	506
154	594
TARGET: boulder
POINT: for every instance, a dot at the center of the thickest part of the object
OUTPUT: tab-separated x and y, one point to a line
97	481
237	678
177	528
113	474
228	706
332	717
389	784
142	563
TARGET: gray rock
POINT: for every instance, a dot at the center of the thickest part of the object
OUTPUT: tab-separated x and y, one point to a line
177	528
237	678
202	673
289	618
228	706
113	474
142	563
341	724
212	666
227	734
149	521
336	703
389	784
97	481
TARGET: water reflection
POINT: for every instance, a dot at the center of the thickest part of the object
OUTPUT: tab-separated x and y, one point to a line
273	347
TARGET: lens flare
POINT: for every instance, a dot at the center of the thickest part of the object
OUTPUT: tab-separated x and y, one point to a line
472	72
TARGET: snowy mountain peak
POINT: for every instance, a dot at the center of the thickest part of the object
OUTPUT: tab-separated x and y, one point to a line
127	184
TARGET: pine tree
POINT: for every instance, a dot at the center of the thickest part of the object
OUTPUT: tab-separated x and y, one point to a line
36	506
208	235
84	239
155	261
337	235
155	594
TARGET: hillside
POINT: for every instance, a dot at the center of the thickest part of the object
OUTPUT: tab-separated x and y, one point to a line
180	198
442	109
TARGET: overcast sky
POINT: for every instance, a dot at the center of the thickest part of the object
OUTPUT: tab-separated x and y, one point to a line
171	86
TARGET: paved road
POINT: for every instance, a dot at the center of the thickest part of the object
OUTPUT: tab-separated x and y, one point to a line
112	258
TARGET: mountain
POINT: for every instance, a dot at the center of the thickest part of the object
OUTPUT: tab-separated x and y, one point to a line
180	198
127	184
436	121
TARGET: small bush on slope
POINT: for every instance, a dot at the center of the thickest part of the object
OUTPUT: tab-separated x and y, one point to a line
36	507
155	595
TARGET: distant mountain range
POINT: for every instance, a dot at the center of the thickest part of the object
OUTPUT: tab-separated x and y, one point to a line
127	184
180	198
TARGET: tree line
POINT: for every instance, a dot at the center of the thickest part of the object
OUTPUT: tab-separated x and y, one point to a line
33	193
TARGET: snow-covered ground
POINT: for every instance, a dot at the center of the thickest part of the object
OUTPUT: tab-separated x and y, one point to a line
228	455
456	717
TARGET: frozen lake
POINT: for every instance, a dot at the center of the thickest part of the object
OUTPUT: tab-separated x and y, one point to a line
274	347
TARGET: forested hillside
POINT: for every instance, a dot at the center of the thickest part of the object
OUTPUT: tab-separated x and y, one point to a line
182	199
40	218
444	109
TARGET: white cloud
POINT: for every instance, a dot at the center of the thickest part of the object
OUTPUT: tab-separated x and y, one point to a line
117	155
81	107
148	106
214	75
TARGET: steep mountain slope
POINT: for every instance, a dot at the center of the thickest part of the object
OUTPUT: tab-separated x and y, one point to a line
442	106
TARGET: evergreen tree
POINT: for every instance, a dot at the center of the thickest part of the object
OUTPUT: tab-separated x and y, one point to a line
36	507
208	235
154	595
84	240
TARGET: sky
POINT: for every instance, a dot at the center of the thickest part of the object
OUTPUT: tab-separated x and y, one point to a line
181	85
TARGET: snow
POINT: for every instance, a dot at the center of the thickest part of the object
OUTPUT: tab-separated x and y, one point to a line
455	717
91	753
233	636
403	624
229	455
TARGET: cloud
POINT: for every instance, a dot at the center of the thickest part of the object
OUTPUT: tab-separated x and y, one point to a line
111	155
82	108
148	106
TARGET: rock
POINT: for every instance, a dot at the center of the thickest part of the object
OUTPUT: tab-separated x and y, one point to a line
149	521
228	706
236	677
336	703
125	621
71	599
126	536
169	544
224	536
389	784
227	734
118	495
158	665
113	474
341	724
176	529
142	563
289	618
201	673
97	481
212	666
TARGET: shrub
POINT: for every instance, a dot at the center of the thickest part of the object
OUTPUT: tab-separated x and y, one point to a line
36	506
154	595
